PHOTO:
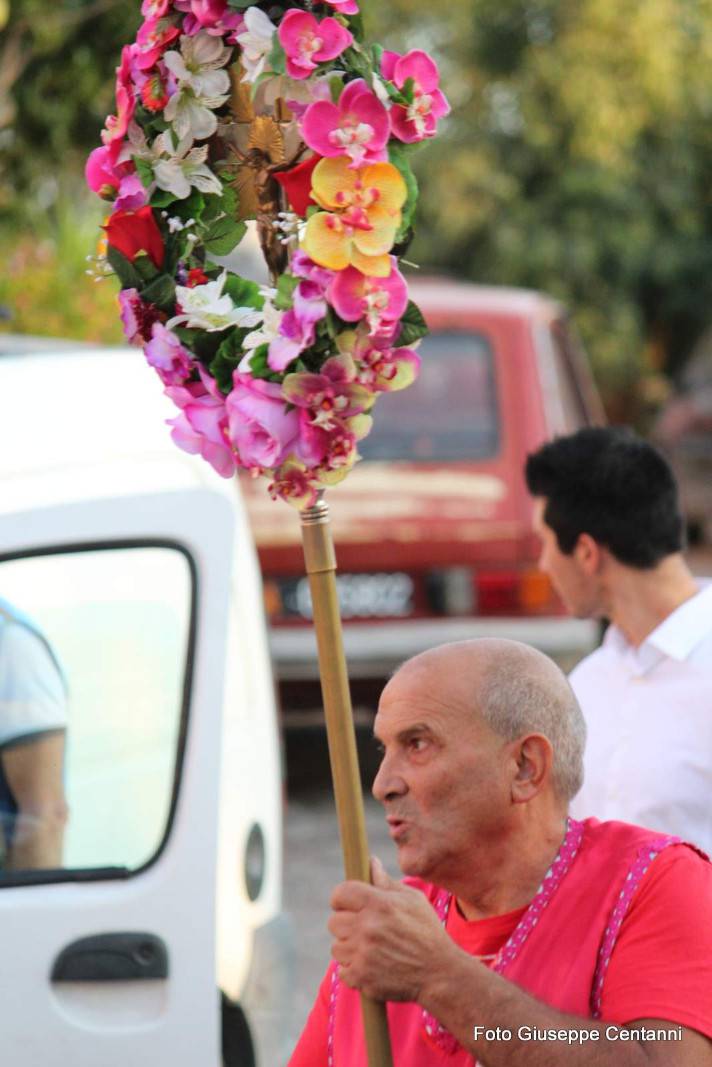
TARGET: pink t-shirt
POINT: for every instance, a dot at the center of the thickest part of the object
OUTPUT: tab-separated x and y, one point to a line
661	968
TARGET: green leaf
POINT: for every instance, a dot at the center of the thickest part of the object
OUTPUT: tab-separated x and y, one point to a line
144	265
408	89
312	210
356	62
355	25
242	292
229	200
144	171
123	268
285	288
222	235
162	199
277	59
161	292
399	158
190	208
259	368
413	326
226	359
240	5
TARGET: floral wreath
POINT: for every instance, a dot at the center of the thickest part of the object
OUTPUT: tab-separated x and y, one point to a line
228	110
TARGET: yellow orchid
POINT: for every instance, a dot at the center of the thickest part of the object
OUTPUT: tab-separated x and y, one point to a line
362	213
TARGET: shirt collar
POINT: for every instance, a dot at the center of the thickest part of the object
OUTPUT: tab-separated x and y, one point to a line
677	635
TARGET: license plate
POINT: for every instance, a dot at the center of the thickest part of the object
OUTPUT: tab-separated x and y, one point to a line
361	596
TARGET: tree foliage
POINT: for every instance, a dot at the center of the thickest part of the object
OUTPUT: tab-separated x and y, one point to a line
578	159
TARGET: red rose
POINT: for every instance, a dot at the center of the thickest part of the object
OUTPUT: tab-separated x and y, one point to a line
131	232
297	184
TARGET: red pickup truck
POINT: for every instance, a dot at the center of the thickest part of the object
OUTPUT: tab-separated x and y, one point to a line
433	527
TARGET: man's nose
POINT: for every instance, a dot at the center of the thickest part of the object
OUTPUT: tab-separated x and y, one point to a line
388	782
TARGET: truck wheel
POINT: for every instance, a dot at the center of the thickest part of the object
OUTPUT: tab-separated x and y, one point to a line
237	1047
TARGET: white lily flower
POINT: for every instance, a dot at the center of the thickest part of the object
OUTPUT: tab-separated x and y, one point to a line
268	329
184	168
256	43
206	307
198	64
137	145
202	86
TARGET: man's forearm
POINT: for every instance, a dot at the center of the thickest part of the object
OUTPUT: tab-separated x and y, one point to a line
39	845
501	1025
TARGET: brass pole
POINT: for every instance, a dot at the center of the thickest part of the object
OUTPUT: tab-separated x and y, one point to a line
320	560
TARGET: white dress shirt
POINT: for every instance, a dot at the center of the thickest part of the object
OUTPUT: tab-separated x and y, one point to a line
648	711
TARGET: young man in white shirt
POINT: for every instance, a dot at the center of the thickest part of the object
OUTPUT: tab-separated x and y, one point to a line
607	513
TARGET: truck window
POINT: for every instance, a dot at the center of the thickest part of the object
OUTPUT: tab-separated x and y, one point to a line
94	654
449	413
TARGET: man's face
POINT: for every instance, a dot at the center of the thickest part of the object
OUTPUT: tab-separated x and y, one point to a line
443	777
579	590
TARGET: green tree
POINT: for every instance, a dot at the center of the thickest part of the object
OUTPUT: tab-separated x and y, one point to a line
578	160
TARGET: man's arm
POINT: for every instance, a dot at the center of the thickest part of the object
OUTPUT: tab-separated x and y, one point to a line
33	771
390	944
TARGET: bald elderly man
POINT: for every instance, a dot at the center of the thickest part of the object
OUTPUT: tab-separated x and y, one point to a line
521	937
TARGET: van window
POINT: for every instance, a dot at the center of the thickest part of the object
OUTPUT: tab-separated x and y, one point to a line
94	652
449	413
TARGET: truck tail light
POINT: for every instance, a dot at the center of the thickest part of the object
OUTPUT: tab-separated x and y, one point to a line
272	598
516	592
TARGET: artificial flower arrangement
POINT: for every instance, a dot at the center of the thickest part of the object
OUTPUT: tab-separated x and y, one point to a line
228	110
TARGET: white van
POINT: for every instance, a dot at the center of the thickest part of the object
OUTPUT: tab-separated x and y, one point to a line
160	940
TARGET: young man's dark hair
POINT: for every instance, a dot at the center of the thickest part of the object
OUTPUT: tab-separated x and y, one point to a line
612	485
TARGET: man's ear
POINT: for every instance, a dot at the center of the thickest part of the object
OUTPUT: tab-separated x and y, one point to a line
588	554
534	757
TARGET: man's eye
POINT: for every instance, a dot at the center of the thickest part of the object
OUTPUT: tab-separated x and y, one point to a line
417	744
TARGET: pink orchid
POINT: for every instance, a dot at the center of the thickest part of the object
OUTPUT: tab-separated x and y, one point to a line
117	125
344	7
137	317
333	448
166	355
201	427
358	126
389	370
329	396
261	428
296	330
419	119
213	16
152	40
132	194
155	9
354	296
294	484
304	267
307	42
102	172
379	367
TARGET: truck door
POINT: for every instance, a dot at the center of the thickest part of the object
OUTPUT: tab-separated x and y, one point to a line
109	935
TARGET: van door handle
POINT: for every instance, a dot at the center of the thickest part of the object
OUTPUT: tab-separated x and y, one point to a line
122	957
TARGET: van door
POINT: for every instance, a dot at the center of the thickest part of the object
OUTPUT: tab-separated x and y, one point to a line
108	933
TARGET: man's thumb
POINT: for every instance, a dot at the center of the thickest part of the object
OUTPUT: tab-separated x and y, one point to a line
379	875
